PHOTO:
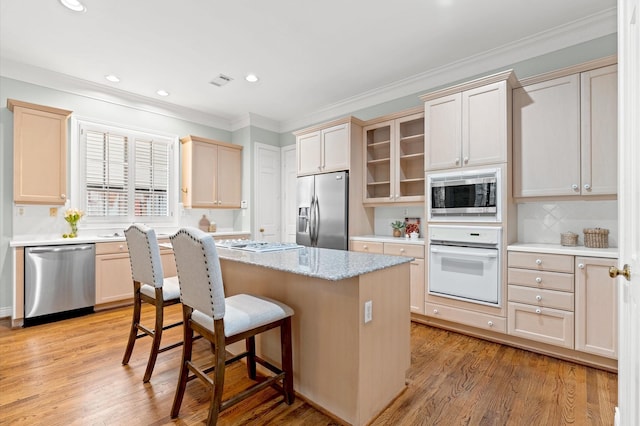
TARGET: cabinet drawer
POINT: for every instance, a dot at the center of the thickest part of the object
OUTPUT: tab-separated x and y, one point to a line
541	261
113	247
540	279
462	316
409	250
539	297
545	325
367	247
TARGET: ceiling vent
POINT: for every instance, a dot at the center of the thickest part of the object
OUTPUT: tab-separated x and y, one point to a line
221	80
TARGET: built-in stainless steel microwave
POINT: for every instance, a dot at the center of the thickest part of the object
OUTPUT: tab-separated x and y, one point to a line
465	194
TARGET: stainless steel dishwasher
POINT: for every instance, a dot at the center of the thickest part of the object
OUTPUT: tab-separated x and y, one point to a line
58	280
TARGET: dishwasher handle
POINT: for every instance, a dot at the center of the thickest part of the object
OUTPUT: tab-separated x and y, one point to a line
61	249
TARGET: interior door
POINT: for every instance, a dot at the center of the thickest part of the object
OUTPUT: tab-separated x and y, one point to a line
267	193
289	175
629	211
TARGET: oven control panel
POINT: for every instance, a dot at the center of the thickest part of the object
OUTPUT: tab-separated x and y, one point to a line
485	235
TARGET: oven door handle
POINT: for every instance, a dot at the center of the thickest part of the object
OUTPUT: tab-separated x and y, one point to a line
465	253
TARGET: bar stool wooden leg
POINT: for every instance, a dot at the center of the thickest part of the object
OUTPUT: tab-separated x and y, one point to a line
157	337
287	360
133	333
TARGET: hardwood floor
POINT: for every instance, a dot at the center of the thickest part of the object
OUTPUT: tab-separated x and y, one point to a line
70	372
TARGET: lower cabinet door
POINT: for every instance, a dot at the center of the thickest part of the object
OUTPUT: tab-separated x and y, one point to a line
545	325
418	288
113	278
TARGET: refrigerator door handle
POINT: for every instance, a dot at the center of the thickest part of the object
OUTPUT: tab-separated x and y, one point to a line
312	221
316	216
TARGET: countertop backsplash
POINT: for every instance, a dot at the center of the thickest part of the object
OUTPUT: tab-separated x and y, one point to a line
385	215
37	221
543	222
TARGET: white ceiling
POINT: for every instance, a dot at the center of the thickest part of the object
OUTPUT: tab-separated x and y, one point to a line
314	58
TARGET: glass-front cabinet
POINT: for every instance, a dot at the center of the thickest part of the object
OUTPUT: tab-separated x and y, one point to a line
394	160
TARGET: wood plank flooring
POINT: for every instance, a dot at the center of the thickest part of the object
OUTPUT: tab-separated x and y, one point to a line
70	373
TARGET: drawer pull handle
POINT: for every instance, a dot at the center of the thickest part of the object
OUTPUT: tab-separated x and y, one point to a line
435	311
490	323
538	298
401	250
538	280
538	311
538	261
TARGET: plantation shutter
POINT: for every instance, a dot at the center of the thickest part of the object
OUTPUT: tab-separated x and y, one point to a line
107	174
151	178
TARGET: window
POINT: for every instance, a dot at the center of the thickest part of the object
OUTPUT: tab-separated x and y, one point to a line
126	176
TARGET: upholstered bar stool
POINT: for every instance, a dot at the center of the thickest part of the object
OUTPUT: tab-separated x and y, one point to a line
224	321
149	286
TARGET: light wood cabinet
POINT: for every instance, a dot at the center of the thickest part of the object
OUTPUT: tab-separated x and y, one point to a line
596	307
325	150
211	173
565	137
541	297
469	125
418	271
479	320
113	272
394	160
39	153
564	300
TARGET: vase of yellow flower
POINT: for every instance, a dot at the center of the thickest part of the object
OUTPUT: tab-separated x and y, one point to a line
72	216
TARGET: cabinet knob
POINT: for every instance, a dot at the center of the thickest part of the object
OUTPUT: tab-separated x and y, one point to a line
63	196
435	311
466	160
121	247
574	187
457	161
185	190
587	186
490	323
401	250
581	265
391	197
538	311
538	261
365	247
538	298
538	280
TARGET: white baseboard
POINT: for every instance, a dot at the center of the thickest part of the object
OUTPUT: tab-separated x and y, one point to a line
6	312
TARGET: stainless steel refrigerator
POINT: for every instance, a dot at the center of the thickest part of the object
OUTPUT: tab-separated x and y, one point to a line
323	204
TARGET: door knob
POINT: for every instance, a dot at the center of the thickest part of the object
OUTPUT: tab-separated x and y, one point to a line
625	272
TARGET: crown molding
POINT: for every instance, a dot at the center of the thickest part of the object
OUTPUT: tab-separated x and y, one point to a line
579	31
256	120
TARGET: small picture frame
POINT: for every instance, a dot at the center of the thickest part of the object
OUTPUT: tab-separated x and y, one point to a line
411	224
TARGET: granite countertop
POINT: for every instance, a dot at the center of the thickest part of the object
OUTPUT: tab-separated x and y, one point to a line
314	262
559	249
387	239
106	237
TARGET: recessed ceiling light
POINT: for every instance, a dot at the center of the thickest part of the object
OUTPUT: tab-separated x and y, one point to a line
112	78
162	92
74	5
251	78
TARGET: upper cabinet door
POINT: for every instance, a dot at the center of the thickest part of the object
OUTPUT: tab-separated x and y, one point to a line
485	125
546	129
39	153
443	123
599	131
229	177
204	162
335	148
309	153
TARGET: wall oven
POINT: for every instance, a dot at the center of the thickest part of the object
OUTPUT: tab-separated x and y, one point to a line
464	263
464	195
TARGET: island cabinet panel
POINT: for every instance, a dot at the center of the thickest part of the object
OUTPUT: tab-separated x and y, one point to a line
39	153
350	369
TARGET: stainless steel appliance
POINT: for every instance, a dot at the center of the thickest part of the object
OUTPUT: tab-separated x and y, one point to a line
464	194
322	202
58	279
464	263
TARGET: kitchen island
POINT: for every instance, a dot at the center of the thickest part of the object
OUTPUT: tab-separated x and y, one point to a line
346	367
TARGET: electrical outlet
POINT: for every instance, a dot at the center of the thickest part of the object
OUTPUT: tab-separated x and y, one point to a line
53	211
368	311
